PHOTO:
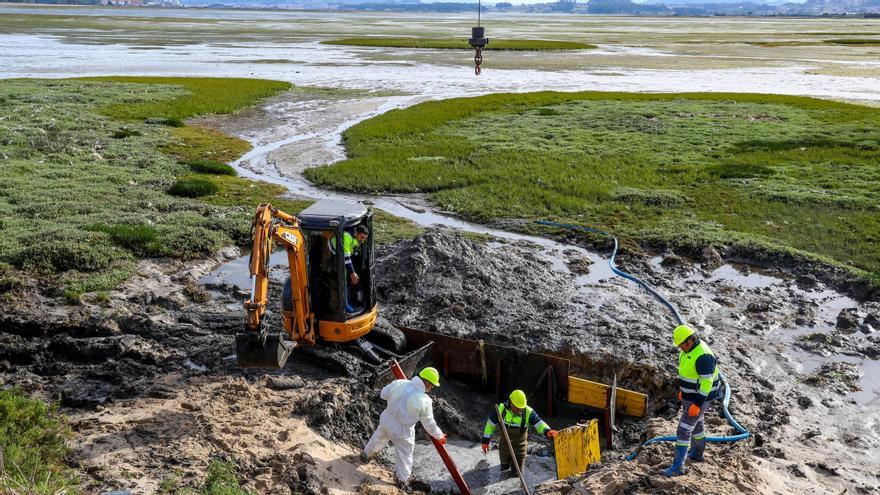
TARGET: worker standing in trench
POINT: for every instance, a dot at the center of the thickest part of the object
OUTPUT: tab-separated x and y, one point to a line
517	416
699	384
408	404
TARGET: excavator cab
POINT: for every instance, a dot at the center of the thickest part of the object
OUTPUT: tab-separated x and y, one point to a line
321	301
331	287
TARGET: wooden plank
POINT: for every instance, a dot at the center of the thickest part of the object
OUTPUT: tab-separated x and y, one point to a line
576	448
594	394
610	406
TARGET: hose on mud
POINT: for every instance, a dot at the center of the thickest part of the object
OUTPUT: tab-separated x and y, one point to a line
742	433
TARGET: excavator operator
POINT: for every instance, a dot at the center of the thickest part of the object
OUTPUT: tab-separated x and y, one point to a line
349	245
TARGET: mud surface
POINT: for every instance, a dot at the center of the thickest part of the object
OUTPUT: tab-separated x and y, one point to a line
151	383
149	376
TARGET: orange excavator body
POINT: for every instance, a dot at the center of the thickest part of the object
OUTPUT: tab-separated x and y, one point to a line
258	347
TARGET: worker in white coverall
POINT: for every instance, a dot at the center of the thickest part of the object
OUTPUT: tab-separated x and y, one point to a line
408	403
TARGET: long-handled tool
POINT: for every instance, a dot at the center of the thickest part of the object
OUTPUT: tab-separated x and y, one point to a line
507	441
441	449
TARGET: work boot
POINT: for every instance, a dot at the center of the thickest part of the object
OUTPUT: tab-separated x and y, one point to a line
677	467
697	449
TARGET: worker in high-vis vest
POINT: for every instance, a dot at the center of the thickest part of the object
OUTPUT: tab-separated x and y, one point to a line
349	244
517	416
699	385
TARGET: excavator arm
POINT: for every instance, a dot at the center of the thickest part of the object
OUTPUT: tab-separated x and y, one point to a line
255	347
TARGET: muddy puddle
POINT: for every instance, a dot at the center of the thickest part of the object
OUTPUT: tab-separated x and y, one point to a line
480	471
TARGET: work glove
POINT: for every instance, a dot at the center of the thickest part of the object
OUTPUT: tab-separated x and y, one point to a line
552	434
442	440
693	410
486	448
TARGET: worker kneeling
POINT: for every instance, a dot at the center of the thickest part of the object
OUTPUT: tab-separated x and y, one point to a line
699	385
517	416
408	403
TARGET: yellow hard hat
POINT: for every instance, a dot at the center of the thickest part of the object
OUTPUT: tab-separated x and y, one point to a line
518	398
681	333
431	375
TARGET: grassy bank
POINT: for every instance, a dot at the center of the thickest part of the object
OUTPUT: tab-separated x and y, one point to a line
460	43
33	445
842	41
776	172
96	173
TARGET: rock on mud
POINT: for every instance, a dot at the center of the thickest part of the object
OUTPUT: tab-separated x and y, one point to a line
848	320
839	377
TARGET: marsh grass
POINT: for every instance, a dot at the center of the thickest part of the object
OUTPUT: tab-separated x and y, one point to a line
212	167
460	44
194	143
80	201
193	187
196	96
33	439
140	239
788	174
855	41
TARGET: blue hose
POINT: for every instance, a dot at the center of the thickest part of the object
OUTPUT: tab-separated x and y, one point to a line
742	433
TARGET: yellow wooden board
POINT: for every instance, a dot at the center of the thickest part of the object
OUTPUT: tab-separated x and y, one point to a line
594	394
576	448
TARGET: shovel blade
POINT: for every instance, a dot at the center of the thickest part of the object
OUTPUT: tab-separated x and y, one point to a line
262	351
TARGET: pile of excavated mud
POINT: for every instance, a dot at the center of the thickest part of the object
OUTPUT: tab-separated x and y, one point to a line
445	282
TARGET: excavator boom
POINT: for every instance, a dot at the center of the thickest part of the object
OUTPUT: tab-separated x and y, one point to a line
256	347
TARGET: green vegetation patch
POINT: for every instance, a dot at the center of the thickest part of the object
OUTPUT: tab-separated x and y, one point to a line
33	439
764	171
83	195
212	167
222	479
193	96
855	41
140	239
460	43
193	187
201	143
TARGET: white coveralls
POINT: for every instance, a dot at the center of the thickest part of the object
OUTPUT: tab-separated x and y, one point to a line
407	404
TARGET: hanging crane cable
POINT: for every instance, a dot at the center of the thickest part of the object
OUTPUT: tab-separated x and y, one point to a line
478	40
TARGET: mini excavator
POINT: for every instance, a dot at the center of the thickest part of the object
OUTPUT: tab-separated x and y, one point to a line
318	297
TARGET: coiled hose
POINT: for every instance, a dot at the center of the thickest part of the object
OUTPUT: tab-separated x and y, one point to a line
742	433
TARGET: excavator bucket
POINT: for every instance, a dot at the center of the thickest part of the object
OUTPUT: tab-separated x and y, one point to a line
255	350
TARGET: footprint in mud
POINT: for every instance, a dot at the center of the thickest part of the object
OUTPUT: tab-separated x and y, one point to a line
283	436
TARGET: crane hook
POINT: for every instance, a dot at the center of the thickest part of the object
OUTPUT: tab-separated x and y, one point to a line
478	40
